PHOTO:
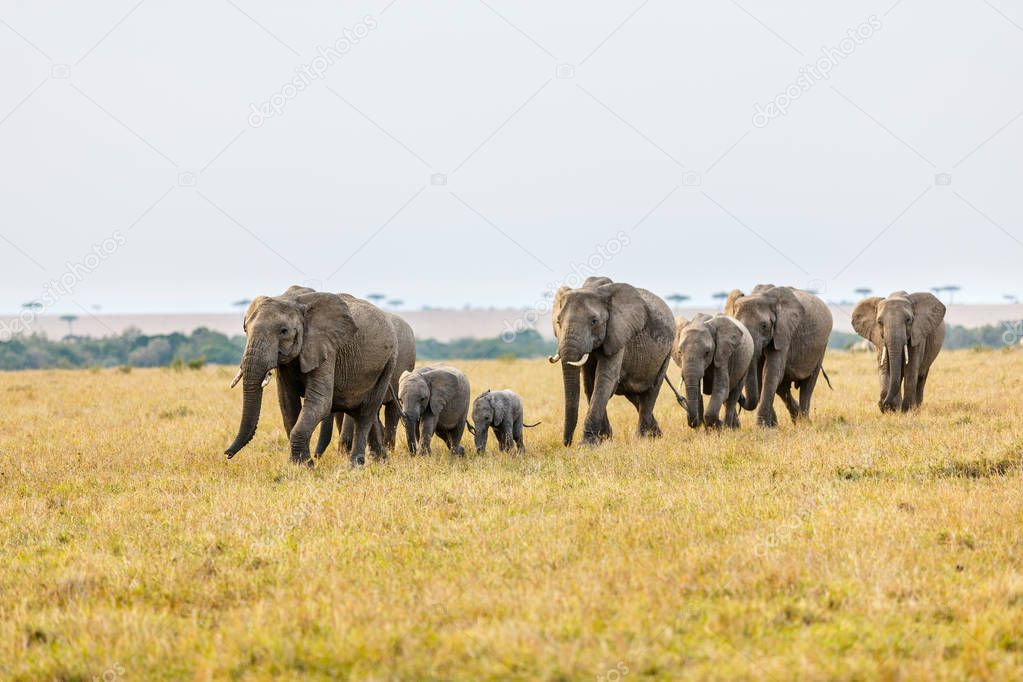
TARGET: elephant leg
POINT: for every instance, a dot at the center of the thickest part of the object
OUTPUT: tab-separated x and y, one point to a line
391	417
589	379
429	427
912	376
376	441
774	371
326	431
456	438
732	408
369	414
785	393
605	382
507	437
517	437
289	400
347	430
920	389
319	395
806	388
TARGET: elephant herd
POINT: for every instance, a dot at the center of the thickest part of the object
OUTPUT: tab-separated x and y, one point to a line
341	359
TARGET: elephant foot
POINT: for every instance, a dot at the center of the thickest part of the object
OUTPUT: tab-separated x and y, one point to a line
712	423
458	450
357	461
302	457
768	420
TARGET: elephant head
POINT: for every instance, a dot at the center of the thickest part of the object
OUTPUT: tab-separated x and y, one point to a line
483	417
772	315
601	316
702	346
305	326
893	325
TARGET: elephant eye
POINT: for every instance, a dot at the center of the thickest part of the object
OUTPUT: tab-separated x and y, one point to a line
284	331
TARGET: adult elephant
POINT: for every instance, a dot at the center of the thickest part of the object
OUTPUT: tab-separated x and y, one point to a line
618	337
406	361
790	329
333	353
908	331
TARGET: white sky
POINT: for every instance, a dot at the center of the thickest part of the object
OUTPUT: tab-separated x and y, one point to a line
541	169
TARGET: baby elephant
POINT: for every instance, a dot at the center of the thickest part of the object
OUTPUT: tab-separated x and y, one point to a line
716	351
434	400
502	412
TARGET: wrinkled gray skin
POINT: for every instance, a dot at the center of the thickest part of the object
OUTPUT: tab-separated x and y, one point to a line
434	400
502	412
622	335
406	362
902	326
715	352
790	330
332	353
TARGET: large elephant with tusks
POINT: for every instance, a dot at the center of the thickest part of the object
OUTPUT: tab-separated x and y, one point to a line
332	352
618	338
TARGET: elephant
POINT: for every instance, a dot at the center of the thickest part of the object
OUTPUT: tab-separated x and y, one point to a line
619	338
502	412
406	361
333	353
434	400
790	329
908	331
718	352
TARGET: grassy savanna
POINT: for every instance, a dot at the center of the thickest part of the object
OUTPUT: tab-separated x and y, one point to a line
857	546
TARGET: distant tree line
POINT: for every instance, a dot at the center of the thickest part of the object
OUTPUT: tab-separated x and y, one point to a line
203	346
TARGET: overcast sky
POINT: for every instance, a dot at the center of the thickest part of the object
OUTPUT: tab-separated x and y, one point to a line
470	151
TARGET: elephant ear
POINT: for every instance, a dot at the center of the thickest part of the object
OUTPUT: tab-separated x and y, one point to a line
928	313
733	297
676	353
556	306
627	315
328	326
253	308
727	337
864	320
788	313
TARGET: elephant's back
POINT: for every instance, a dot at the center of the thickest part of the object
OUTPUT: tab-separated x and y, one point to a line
661	325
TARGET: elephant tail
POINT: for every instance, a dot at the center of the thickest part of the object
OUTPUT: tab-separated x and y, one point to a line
681	400
826	378
472	429
529	426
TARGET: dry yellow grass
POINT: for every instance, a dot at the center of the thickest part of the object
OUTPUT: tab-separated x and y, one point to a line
858	546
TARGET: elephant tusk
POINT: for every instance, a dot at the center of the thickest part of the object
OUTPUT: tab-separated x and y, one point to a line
237	378
266	379
554	359
905	355
884	354
581	361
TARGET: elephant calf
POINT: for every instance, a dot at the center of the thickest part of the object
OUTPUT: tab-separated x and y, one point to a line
715	352
502	412
434	400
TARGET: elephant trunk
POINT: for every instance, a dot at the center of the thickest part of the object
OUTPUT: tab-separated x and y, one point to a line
411	423
751	393
894	347
255	367
570	375
694	401
482	432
